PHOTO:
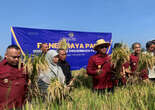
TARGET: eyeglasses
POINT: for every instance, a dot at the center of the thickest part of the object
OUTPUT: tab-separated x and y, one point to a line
103	46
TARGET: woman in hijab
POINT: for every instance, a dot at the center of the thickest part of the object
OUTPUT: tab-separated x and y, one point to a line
54	71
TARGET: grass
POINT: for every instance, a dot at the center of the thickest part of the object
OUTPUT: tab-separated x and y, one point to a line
129	97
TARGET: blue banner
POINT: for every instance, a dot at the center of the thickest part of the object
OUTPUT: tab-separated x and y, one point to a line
80	44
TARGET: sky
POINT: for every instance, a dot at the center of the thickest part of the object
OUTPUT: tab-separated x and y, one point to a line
129	21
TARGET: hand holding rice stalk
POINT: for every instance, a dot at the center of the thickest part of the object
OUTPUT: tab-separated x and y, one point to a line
57	92
146	60
80	78
63	44
32	66
119	56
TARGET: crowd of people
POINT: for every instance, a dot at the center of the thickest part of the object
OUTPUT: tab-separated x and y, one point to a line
14	80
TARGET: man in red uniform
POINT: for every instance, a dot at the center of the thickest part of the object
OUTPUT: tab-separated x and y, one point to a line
99	67
134	58
13	81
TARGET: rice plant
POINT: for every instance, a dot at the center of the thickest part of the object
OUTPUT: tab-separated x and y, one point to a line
119	56
130	97
81	78
63	44
145	61
32	66
57	92
139	96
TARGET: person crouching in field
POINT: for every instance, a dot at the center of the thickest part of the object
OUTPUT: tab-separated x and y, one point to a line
133	63
54	71
13	80
99	67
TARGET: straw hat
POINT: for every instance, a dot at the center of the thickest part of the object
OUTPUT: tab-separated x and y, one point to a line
101	42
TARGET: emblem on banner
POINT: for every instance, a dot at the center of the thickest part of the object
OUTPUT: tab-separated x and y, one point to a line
71	34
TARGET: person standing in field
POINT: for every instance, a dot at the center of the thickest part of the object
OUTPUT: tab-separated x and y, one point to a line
44	48
13	80
122	79
154	46
99	67
54	71
133	63
150	48
64	65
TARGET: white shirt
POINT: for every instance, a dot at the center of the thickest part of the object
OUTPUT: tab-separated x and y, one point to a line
151	71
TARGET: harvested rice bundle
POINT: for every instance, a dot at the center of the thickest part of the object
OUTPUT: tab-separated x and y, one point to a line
119	56
33	65
63	44
81	78
57	92
81	72
20	63
28	66
146	60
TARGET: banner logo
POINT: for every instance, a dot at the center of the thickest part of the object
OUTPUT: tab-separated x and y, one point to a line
71	34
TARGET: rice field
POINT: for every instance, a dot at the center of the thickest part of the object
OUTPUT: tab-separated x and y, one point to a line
135	96
129	97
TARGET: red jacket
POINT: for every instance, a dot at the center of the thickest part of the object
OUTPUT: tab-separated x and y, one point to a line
104	80
13	86
134	64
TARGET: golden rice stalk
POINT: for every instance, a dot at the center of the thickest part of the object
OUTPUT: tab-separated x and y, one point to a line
42	64
57	91
33	65
63	44
81	72
28	66
80	78
33	91
20	63
154	60
146	60
119	56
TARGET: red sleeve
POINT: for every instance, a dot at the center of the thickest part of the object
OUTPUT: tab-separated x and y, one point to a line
126	65
4	61
144	74
91	68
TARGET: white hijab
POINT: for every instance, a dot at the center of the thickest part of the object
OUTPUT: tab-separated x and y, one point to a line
54	71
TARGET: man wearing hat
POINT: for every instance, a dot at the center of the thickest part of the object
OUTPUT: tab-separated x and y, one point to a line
99	67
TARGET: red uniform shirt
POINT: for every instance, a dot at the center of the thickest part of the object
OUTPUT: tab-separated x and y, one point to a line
134	64
103	80
13	86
